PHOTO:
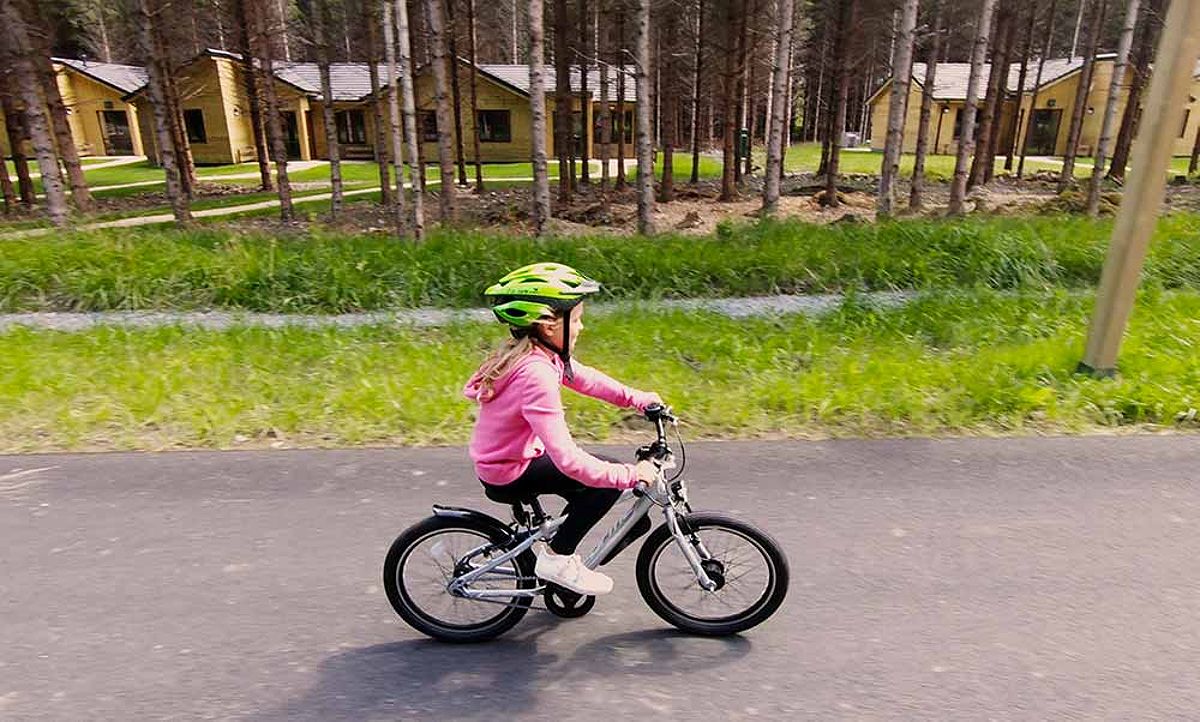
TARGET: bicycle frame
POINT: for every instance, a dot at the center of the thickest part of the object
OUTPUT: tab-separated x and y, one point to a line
668	495
693	551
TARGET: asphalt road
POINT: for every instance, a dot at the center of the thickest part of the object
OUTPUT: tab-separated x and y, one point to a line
968	579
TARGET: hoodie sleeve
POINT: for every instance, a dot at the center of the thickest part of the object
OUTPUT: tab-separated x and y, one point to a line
541	406
599	385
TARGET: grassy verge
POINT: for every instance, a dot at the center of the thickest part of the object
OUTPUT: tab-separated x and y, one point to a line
329	271
806	158
977	363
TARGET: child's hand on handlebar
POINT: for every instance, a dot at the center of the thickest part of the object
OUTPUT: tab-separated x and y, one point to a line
646	471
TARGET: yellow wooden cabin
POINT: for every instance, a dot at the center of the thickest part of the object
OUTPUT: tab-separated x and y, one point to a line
1051	118
101	121
217	115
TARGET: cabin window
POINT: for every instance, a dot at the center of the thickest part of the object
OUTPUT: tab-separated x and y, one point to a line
495	126
193	121
351	127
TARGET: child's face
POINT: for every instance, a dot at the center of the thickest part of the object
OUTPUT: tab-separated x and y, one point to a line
552	332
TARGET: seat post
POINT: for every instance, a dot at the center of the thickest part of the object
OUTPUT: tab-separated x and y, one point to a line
539	515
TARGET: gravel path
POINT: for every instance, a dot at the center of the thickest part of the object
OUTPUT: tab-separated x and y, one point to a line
424	317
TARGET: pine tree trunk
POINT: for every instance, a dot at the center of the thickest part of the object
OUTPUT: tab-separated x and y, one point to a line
67	152
323	25
645	141
562	100
619	125
746	110
585	64
156	85
997	79
183	149
105	47
1110	106
790	104
696	84
455	93
445	117
268	27
966	138
1022	76
537	106
29	85
1194	161
1006	49
1145	42
1099	10
668	67
841	97
6	189
387	193
416	170
253	97
729	162
14	124
740	95
1037	85
605	118
779	78
897	110
474	95
399	210
916	191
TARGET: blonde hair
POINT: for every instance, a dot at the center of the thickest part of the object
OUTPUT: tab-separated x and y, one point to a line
500	362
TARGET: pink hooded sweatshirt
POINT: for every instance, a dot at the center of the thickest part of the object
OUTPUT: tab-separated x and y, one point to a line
523	418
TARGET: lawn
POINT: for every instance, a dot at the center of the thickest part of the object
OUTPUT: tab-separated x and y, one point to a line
806	158
965	363
330	271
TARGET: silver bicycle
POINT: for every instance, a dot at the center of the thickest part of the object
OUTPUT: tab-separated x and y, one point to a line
465	576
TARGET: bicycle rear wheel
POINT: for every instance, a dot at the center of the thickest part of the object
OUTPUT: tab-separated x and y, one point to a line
427	556
748	566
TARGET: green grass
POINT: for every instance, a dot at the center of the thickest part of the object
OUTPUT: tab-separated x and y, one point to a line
1179	165
806	158
199	205
976	363
326	271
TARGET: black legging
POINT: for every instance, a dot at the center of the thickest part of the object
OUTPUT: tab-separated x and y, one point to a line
586	505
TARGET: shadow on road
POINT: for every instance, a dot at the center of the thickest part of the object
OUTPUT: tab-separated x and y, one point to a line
497	679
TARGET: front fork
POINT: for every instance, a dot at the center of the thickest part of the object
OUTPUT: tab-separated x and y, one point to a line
692	549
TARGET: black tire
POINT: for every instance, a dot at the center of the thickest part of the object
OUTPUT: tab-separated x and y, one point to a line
764	605
421	620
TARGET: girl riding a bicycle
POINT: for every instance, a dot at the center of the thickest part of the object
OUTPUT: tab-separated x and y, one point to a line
521	445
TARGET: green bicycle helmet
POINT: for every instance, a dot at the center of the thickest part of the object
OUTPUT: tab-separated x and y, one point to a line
540	291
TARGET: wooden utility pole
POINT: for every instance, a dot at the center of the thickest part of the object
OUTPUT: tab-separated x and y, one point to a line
1136	218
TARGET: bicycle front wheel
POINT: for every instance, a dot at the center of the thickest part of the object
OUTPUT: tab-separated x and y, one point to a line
748	566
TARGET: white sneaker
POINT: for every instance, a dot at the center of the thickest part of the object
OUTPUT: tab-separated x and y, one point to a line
568	571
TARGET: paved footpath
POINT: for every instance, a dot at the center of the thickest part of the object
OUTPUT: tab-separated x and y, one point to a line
740	307
964	579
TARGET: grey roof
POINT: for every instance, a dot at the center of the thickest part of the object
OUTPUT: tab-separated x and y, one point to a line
125	78
517	76
350	81
952	78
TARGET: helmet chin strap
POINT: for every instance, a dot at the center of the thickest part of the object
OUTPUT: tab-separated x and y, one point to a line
564	353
